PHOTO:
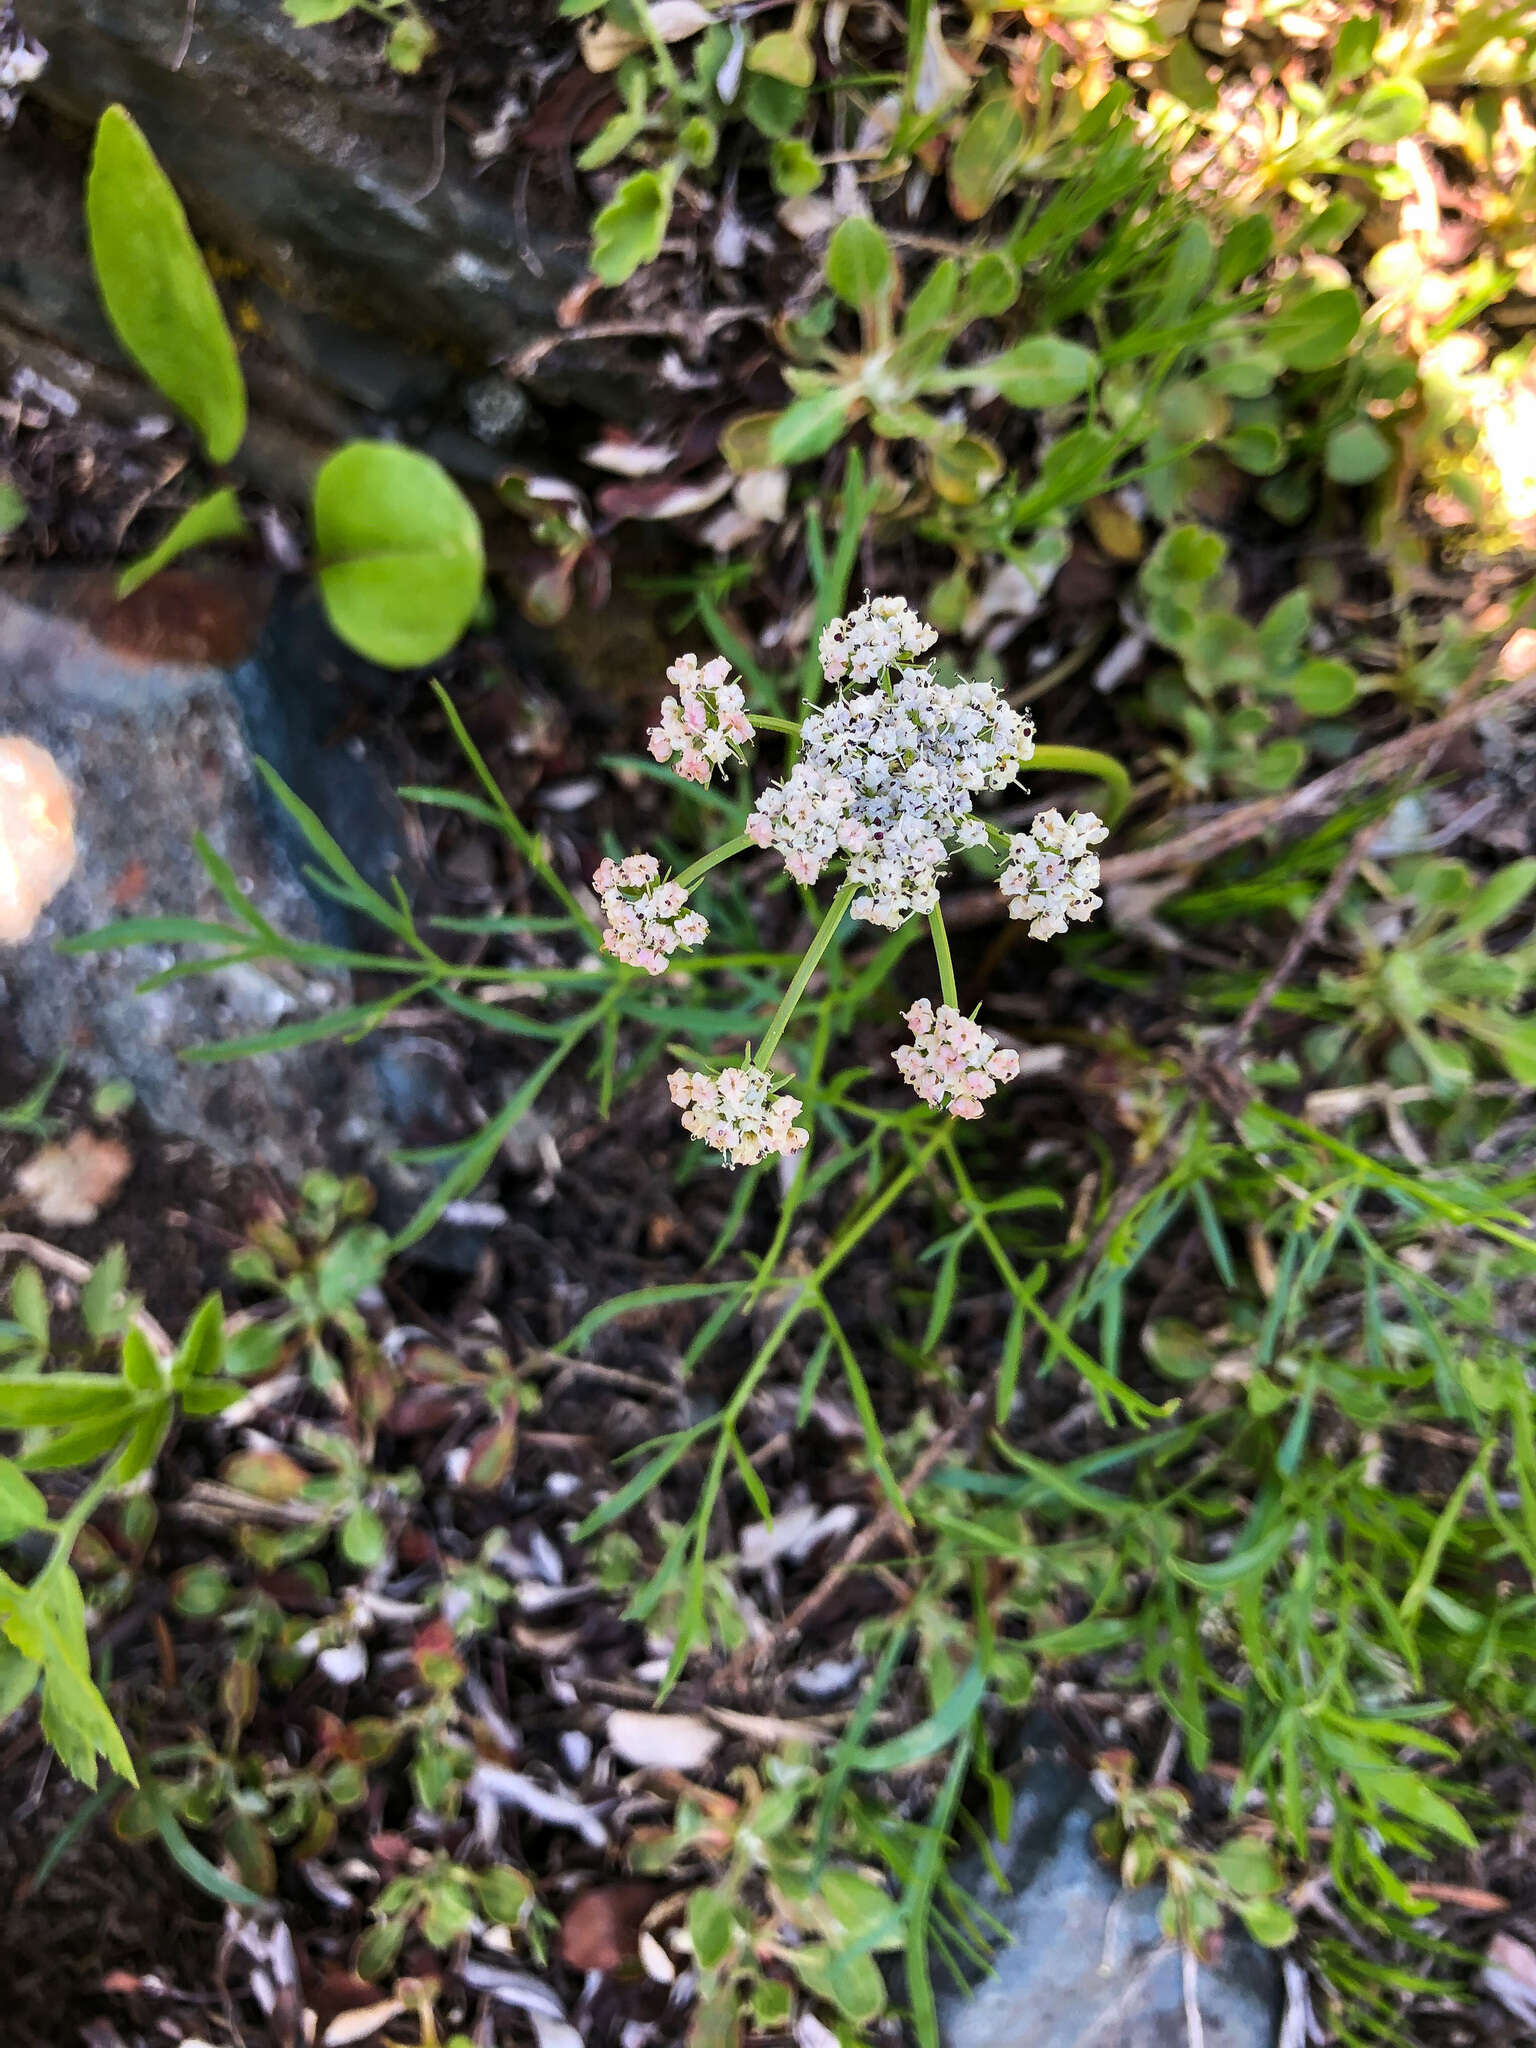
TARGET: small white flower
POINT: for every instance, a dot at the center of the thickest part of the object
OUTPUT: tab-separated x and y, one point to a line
706	723
648	919
1052	872
952	1063
738	1113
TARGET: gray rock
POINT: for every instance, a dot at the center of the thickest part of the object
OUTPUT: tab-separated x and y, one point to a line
1085	1964
345	191
136	705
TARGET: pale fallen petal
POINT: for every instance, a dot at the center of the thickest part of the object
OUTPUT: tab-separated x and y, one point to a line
666	1742
494	1783
74	1182
362	2023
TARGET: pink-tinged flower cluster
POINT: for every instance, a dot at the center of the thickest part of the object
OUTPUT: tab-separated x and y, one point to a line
862	646
738	1113
1052	871
706	723
648	919
952	1063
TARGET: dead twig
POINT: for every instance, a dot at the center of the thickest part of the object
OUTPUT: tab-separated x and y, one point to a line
76	1271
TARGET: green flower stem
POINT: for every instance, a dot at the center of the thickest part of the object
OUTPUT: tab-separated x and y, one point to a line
762	722
803	973
700	868
942	954
1089	761
525	841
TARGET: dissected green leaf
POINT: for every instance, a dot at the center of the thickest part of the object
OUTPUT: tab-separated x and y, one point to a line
401	559
155	285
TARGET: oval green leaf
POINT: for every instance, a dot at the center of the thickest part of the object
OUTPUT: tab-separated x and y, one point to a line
1042	370
401	559
1357	452
156	288
1315	331
859	265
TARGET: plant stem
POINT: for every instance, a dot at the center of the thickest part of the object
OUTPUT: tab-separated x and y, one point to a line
803	973
947	988
701	868
764	723
525	841
1089	761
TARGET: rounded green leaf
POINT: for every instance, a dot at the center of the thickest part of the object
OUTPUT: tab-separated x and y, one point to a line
859	265
401	560
711	1927
1314	331
1324	687
1356	452
1391	110
156	288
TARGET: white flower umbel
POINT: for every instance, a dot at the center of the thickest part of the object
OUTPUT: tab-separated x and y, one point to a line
706	723
862	646
885	779
648	919
738	1113
952	1063
1052	871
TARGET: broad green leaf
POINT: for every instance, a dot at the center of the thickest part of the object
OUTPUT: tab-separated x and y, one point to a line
1186	75
141	1368
991	286
1390	110
401	559
1270	1924
310	13
631	228
863	1910
202	1348
811	426
963	470
1040	371
711	1927
793	167
1245	250
1316	331
18	1680
1498	898
32	1400
1355	46
1255	447
13	508
46	1623
21	1505
1323	687
1356	452
784	55
983	161
411	43
860	268
156	288
850	1980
